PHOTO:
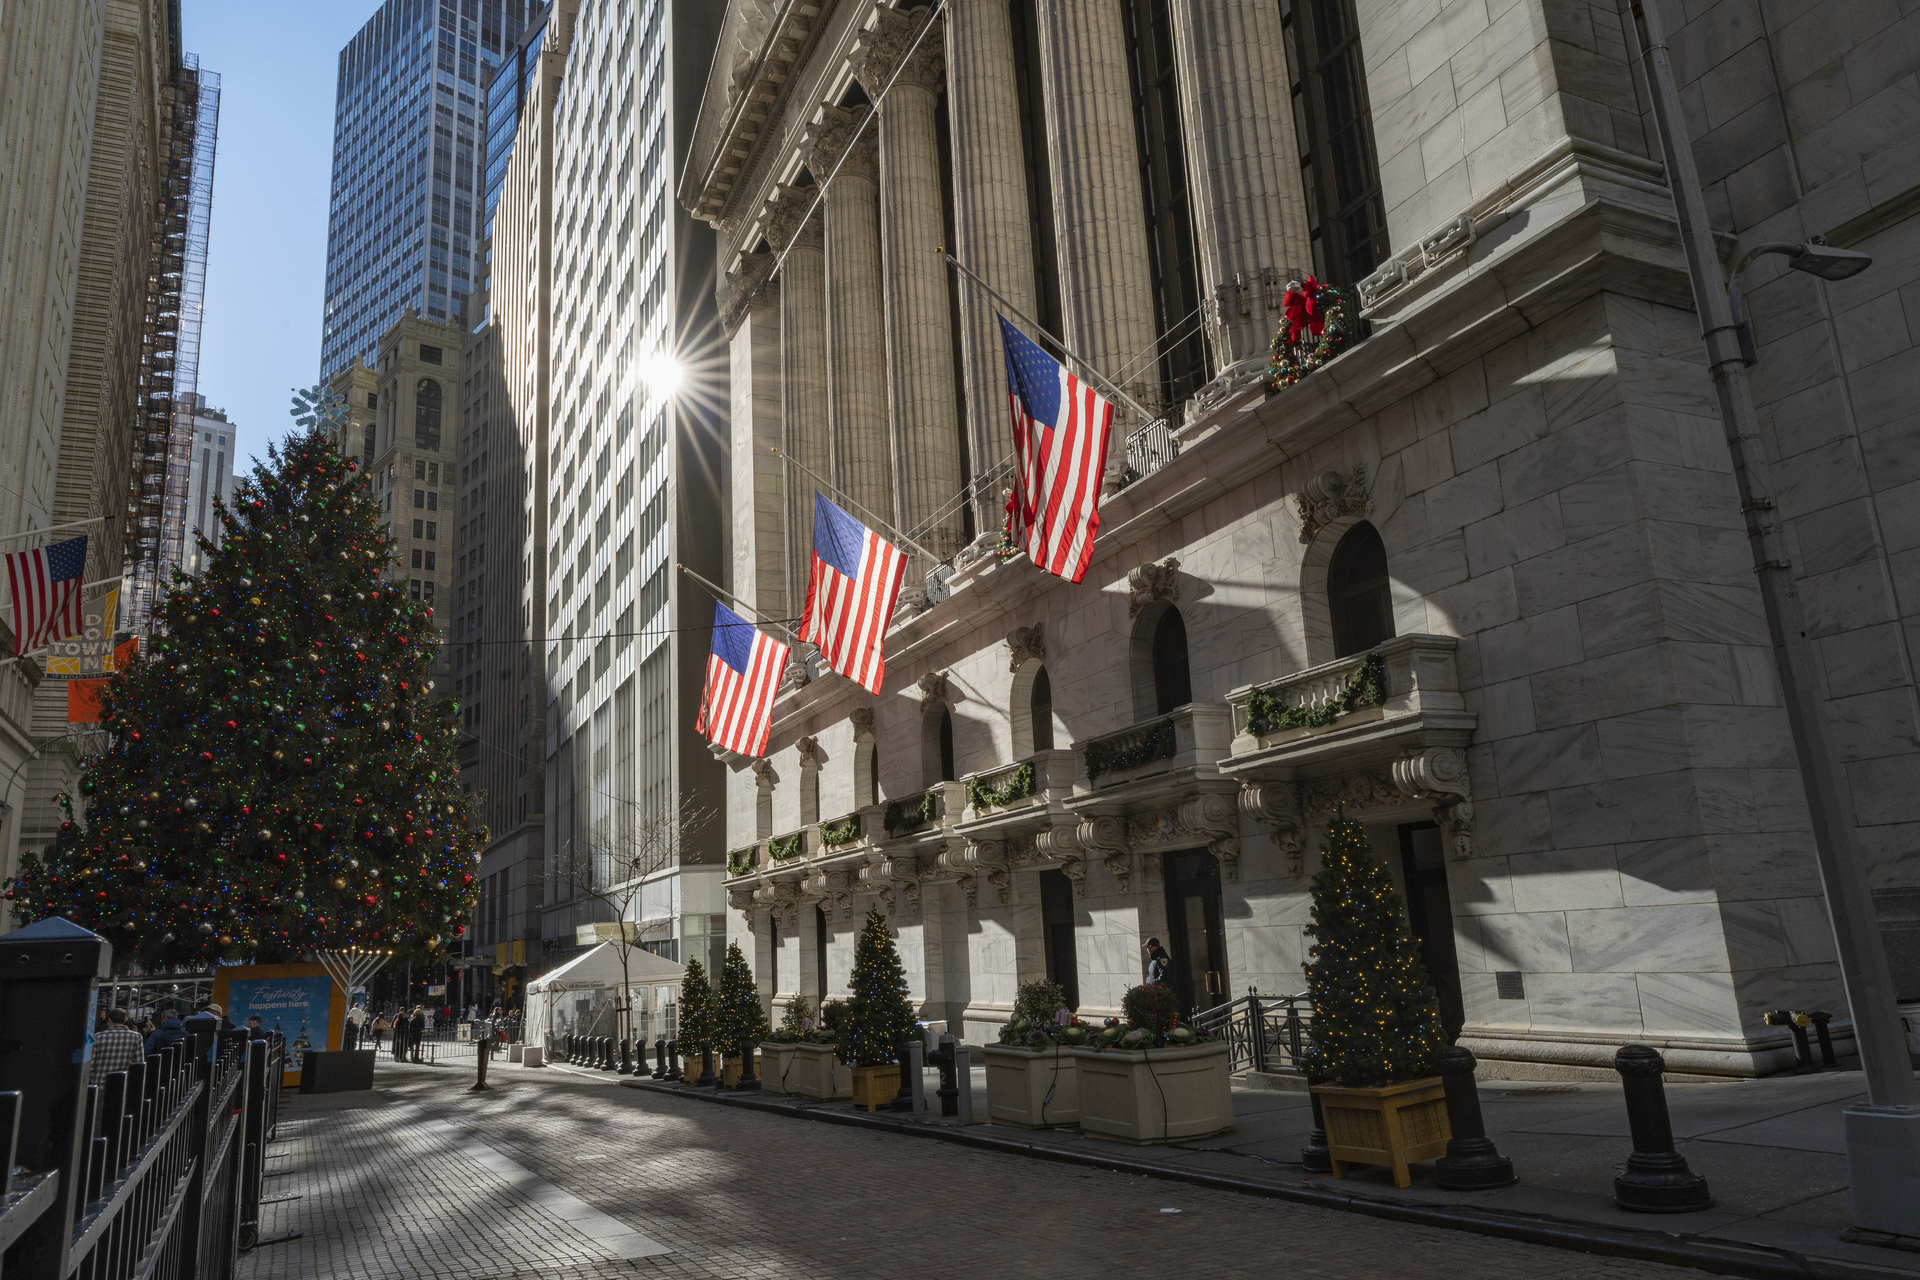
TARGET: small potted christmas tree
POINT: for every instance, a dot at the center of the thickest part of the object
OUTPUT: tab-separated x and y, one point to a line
1376	1020
1032	1082
815	1070
696	1029
879	1016
739	1021
1151	1079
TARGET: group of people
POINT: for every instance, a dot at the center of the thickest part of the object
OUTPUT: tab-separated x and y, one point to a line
124	1039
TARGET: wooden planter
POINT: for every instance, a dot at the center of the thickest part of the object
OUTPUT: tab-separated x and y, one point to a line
775	1059
813	1072
875	1087
1391	1126
1154	1095
729	1072
1032	1090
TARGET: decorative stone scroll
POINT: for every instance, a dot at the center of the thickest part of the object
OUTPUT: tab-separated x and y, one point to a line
1322	798
1277	804
1439	774
933	691
1150	582
809	748
741	286
1026	644
862	721
832	136
884	47
1106	835
1211	815
1329	496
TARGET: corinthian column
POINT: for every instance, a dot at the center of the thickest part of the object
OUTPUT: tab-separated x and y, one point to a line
926	426
990	219
1106	298
803	369
1248	203
856	336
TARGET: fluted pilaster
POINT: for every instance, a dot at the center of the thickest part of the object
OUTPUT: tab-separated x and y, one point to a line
856	332
803	368
1248	203
990	219
1106	298
920	387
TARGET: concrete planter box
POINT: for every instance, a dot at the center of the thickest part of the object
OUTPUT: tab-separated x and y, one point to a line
775	1058
1121	1093
814	1072
1032	1090
1391	1126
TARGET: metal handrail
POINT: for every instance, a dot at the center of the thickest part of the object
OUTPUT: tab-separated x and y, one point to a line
1263	1033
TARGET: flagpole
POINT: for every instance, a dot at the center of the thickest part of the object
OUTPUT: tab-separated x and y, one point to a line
58	528
1113	389
738	603
909	543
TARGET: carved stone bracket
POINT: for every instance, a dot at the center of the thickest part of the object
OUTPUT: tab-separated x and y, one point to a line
1322	798
809	752
764	775
1439	774
1106	836
1211	814
1053	844
1026	644
862	719
1150	582
933	691
1277	804
1329	496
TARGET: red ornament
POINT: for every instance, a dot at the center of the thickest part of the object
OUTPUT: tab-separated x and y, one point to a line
133	737
233	724
1303	311
206	756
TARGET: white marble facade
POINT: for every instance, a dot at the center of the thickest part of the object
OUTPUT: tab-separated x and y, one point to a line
1580	692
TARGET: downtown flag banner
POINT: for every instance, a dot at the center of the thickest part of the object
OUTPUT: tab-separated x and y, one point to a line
744	667
851	590
45	584
1060	431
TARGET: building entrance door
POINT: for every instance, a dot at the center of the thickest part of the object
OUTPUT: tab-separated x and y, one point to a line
1423	863
1195	938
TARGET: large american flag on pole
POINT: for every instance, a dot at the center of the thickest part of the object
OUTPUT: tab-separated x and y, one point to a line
1060	431
851	591
46	584
744	667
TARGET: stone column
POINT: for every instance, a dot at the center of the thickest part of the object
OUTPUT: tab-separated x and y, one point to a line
1106	298
856	336
990	221
1248	204
803	370
920	384
749	316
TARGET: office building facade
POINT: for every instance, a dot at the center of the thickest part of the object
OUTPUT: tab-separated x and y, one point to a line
210	481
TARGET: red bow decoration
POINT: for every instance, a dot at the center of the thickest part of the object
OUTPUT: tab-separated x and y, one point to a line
1302	308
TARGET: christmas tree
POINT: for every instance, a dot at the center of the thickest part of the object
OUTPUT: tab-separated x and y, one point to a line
696	1029
880	1015
738	1017
278	781
1376	1020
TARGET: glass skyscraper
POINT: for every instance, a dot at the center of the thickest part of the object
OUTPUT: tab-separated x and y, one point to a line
409	145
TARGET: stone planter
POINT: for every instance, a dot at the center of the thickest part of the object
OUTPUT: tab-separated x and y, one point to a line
1391	1126
1032	1090
813	1072
875	1087
775	1058
1154	1095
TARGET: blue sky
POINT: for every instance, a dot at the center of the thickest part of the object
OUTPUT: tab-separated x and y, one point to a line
267	242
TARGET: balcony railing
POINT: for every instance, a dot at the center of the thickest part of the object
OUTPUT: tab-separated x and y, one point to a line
939	804
842	832
1408	674
1193	736
1150	448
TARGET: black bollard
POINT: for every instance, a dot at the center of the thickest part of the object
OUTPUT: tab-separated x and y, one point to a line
566	1047
903	1100
1657	1179
660	1058
608	1060
1315	1157
1819	1021
673	1063
748	1081
707	1079
626	1056
948	1062
1472	1162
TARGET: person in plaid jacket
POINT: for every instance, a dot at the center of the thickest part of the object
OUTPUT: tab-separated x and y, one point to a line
116	1047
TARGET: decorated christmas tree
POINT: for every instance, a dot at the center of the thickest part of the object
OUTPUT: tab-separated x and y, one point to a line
278	780
880	1015
1376	1020
738	1017
696	1028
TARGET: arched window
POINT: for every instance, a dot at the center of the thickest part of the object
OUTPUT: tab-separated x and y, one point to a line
1359	597
873	774
366	457
946	746
1041	702
1172	683
426	414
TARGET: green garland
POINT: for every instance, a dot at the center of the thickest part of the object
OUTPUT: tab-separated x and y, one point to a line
786	847
1018	787
740	861
1268	713
845	831
900	820
1283	370
1156	743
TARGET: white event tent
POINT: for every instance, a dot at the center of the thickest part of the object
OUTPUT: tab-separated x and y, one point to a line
580	996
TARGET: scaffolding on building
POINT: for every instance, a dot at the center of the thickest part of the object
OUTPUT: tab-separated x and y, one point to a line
170	357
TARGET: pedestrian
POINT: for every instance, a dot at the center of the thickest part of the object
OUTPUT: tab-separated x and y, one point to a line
169	1033
380	1028
417	1030
116	1047
1157	961
254	1030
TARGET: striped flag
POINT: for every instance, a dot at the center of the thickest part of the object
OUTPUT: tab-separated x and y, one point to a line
744	667
1060	431
851	592
46	585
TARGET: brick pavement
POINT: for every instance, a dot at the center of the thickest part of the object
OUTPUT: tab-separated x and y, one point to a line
742	1195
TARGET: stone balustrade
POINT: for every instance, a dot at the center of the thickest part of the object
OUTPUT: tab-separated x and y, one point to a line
1189	739
1407	675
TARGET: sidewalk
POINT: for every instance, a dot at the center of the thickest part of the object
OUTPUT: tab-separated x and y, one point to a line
1773	1152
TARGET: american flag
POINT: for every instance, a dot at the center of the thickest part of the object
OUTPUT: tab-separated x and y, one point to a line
46	584
851	592
1060	432
743	673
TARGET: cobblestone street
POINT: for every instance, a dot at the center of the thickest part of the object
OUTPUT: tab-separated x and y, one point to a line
569	1176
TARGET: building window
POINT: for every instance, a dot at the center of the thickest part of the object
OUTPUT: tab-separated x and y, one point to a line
373	400
433	532
429	559
1172	682
418	529
417	562
366	452
413	588
419	498
947	773
429	355
1339	169
426	414
1041	702
1359	595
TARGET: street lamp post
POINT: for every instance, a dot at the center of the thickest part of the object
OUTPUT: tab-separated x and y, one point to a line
1883	1133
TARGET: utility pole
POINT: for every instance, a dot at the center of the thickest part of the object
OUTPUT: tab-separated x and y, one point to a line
1883	1133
